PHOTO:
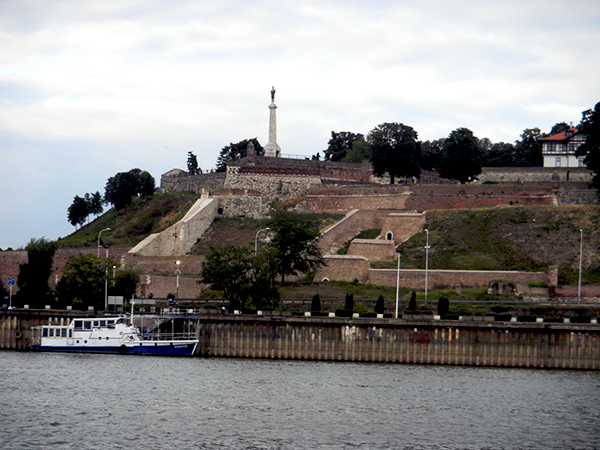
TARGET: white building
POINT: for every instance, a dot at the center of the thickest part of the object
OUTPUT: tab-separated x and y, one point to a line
558	150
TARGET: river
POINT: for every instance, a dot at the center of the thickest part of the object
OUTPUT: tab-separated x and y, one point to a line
74	401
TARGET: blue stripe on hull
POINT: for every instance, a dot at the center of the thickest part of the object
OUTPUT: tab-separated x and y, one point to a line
161	350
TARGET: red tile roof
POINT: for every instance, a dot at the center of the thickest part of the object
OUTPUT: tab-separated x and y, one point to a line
562	136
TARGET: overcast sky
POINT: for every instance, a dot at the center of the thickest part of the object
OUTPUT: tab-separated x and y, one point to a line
91	88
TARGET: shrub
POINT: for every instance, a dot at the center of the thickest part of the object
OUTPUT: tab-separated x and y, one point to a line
499	309
450	317
412	304
388	315
315	305
554	319
369	314
349	303
502	317
526	318
443	306
580	319
319	313
344	312
380	305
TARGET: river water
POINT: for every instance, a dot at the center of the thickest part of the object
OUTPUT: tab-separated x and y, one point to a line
74	401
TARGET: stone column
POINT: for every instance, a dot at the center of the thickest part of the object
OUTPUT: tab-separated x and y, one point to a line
272	149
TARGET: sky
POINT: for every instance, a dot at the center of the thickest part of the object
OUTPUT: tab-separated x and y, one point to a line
92	88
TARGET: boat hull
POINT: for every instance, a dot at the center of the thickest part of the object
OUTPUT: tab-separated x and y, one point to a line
181	348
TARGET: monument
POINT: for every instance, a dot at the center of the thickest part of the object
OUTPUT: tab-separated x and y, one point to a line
272	149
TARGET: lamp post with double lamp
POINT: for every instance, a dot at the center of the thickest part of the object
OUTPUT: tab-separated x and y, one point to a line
256	239
399	252
426	264
177	272
580	264
99	234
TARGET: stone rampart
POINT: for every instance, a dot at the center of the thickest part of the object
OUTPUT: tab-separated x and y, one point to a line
241	203
344	267
536	175
402	226
354	222
177	180
373	249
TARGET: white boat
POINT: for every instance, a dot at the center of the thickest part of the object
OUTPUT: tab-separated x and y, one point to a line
114	335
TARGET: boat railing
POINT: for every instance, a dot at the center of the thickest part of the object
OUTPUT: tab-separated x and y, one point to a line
170	336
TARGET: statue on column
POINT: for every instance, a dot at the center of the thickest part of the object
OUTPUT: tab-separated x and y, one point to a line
273	94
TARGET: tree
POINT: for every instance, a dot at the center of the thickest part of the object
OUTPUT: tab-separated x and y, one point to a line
443	306
263	293
380	305
340	144
34	274
78	211
395	150
431	153
229	269
295	241
192	164
359	152
126	283
95	204
349	302
529	149
237	150
83	278
315	304
501	154
559	128
462	156
590	150
124	186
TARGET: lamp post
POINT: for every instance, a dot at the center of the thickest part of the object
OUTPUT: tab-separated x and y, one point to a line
426	264
580	264
256	239
398	281
99	234
106	281
177	272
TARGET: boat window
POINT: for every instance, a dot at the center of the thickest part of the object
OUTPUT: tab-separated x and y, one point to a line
44	332
110	321
51	332
70	333
103	323
96	323
87	325
63	332
79	324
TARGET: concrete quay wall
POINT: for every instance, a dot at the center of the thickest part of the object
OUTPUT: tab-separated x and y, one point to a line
499	344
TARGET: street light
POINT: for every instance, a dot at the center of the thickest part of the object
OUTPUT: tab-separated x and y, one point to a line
256	240
580	264
177	272
105	229
398	281
106	280
426	264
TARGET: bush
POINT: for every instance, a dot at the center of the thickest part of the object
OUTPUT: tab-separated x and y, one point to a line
369	314
526	318
443	306
315	305
554	319
388	315
449	317
319	313
499	309
412	304
580	319
502	317
380	305
344	312
349	303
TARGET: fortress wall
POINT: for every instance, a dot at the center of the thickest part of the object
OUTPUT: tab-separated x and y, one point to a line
344	267
373	249
180	181
402	225
241	203
350	226
535	174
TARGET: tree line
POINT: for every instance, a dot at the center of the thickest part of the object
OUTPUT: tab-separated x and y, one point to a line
119	191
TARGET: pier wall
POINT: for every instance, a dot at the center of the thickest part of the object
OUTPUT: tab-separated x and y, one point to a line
472	343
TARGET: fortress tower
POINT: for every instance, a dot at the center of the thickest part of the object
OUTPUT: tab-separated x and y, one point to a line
272	149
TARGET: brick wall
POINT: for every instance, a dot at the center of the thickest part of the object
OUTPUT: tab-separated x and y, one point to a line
373	249
402	226
180	181
344	267
356	221
535	174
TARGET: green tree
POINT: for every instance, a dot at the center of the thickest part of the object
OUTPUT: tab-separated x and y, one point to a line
359	152
443	306
462	156
83	278
559	128
34	274
315	304
296	243
126	283
501	154
229	269
412	303
263	292
237	150
590	150
78	211
380	305
124	186
95	203
340	144
528	150
192	164
349	302
395	150
431	153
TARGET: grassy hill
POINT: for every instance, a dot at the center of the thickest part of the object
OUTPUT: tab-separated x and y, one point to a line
509	238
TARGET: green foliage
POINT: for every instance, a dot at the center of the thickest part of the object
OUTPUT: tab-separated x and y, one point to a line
580	319
590	150
412	304
502	317
370	233
126	283
462	157
124	186
443	306
83	280
349	303
380	305
192	164
359	152
341	144
362	309
344	312
315	305
34	274
396	150
554	319
237	150
295	241
449	317
526	318
528	151
78	211
229	269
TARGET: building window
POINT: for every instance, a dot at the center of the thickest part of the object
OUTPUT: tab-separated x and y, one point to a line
557	162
